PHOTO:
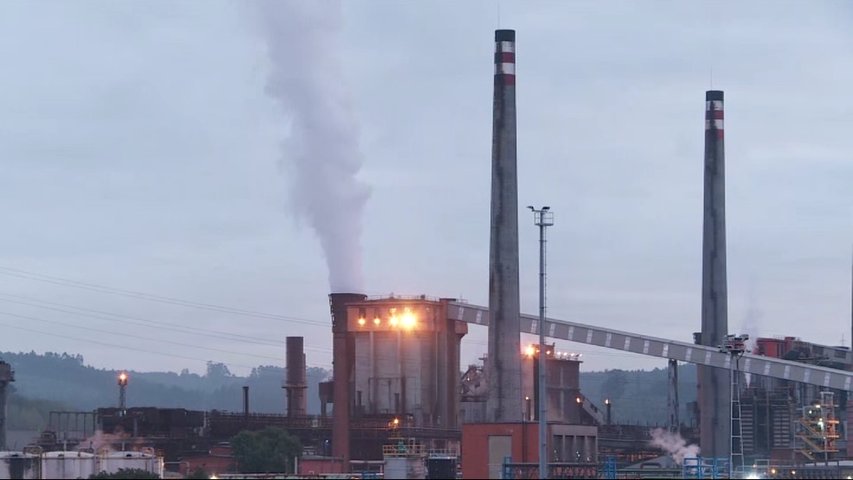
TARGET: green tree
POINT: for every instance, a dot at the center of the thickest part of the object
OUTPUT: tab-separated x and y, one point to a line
270	450
125	473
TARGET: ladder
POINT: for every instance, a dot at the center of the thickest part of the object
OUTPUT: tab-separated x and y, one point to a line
737	462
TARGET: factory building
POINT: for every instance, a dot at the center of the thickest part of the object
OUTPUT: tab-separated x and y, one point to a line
796	422
396	363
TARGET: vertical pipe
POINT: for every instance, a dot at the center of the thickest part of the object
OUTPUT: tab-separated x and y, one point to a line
296	383
246	401
609	418
714	409
504	363
672	395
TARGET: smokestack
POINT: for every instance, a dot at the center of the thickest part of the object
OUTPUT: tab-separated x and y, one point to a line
714	388
246	401
504	360
6	376
295	384
343	363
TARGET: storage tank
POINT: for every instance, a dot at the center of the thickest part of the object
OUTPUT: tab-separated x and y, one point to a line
19	465
68	465
112	462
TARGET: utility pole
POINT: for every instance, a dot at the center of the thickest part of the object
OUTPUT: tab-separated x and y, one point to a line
542	218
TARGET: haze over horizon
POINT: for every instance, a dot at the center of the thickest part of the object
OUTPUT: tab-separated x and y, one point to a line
141	154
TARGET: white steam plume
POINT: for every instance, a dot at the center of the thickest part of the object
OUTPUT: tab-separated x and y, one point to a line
322	148
673	444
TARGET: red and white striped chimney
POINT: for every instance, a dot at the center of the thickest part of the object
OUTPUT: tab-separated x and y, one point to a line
504	402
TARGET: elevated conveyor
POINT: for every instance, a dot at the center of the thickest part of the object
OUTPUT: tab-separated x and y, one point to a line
663	348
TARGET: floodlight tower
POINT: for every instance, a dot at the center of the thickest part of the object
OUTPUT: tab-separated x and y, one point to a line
735	346
542	218
122	391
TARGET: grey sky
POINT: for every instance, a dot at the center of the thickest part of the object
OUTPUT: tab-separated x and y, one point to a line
139	150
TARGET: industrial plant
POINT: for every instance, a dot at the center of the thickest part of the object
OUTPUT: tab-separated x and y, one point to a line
402	405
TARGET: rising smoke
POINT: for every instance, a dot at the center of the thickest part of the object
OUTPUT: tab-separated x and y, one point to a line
673	444
321	149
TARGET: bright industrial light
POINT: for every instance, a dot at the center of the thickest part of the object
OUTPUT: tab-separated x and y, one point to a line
607	401
773	471
408	319
376	321
393	321
578	399
361	322
753	476
396	421
529	351
122	376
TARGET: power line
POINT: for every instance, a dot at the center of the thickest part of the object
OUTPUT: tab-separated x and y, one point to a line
131	335
105	315
112	345
14	272
132	348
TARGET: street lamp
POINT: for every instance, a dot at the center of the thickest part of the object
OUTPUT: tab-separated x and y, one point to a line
542	218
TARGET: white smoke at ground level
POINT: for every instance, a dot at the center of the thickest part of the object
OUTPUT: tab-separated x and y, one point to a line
673	444
321	150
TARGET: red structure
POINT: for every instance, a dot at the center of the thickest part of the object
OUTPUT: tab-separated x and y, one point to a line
774	347
486	445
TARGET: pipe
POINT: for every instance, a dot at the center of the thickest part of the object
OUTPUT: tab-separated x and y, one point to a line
503	403
714	408
296	383
246	401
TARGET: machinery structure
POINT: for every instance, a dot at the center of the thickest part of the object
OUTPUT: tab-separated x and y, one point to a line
818	430
735	346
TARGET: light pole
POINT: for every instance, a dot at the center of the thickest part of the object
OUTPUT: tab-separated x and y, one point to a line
542	218
122	389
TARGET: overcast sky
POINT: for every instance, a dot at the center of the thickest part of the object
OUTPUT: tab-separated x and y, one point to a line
140	150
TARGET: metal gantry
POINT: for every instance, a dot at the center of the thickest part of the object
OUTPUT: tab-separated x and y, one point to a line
829	378
735	347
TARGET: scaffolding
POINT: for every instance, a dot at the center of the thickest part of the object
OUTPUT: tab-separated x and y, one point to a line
817	429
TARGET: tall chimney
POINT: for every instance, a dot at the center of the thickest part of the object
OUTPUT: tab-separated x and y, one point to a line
295	383
504	360
343	364
714	387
